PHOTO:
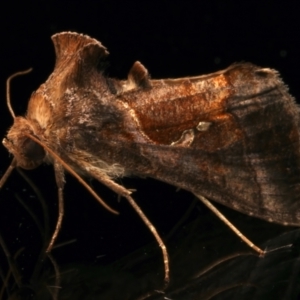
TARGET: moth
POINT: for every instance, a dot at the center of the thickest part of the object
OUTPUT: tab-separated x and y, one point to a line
230	136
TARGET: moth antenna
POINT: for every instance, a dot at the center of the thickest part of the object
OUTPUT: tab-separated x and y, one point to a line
8	89
230	225
71	171
8	172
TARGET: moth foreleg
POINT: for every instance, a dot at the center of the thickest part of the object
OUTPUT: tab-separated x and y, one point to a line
68	168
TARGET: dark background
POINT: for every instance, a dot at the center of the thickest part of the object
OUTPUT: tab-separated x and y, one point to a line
172	39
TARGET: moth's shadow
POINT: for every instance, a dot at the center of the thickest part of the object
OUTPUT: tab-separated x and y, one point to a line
275	276
207	262
200	269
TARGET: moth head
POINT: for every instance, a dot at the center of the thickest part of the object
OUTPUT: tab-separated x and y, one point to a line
27	153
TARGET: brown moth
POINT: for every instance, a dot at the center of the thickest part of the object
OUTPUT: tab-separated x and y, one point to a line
230	136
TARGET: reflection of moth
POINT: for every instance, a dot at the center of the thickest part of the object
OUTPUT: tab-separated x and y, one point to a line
231	136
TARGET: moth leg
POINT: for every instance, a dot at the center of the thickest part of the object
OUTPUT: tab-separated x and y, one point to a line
120	190
69	169
157	237
230	225
60	181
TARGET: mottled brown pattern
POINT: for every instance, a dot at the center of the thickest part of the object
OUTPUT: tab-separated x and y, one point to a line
247	158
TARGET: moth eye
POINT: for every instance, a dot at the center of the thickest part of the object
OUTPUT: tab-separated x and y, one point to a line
32	150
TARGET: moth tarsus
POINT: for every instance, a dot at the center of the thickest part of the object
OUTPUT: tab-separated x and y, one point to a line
230	225
203	134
